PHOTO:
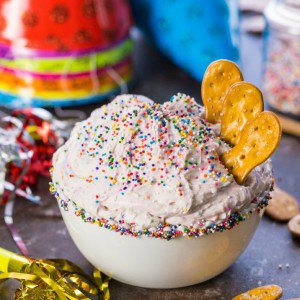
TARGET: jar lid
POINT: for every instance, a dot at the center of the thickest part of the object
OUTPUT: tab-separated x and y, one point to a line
284	14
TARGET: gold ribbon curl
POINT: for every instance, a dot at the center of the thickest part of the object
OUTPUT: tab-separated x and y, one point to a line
51	279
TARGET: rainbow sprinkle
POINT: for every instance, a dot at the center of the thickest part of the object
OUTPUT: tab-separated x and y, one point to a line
165	231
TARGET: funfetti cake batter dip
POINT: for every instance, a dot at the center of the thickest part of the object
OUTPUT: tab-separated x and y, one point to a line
141	168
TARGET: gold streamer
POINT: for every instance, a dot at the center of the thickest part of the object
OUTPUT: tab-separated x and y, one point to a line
51	279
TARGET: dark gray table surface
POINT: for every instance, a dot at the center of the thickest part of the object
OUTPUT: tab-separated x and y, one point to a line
271	246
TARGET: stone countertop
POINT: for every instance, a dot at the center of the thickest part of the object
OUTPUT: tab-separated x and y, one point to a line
46	236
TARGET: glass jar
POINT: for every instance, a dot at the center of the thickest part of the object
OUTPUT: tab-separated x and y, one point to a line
66	52
281	82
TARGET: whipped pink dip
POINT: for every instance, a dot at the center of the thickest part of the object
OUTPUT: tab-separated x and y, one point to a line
134	162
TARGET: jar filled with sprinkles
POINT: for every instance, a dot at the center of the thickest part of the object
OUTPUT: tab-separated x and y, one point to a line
281	81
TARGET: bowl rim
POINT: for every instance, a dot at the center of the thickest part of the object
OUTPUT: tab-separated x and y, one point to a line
165	231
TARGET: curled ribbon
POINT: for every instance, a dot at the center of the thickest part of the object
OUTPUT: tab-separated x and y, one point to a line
51	279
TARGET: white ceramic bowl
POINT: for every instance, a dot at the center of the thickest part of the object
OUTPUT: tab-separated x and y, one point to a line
158	263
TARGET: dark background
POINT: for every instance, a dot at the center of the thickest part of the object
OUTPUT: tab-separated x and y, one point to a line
272	246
